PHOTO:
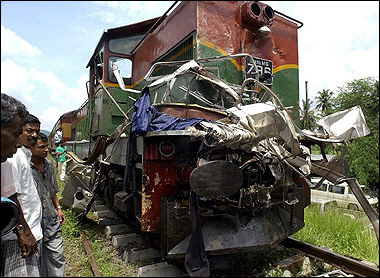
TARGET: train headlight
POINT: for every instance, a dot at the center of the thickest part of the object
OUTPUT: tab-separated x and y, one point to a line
166	148
265	30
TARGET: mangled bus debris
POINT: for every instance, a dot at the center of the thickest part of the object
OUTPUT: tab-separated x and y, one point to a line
198	142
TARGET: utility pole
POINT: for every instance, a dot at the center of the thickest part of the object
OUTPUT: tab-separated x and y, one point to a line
307	107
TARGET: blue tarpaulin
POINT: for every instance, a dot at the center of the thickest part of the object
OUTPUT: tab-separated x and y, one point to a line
146	117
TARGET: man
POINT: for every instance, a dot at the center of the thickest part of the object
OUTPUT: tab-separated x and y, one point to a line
52	258
58	136
61	155
13	112
12	263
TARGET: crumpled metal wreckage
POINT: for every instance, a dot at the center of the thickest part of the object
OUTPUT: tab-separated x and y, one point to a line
261	127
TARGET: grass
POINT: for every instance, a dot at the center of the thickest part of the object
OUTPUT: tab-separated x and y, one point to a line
344	235
107	258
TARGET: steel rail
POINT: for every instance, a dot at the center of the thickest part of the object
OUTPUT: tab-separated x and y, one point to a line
90	254
344	263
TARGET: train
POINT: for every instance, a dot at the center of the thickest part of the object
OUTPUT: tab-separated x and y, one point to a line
190	128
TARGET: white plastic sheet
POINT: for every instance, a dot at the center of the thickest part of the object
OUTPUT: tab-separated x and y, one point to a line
345	125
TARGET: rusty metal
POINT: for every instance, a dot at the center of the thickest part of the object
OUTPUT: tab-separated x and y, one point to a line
256	14
346	264
89	252
100	143
160	178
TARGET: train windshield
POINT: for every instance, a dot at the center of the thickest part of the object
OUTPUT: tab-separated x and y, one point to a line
124	45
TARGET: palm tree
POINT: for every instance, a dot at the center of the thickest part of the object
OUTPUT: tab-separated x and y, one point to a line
324	101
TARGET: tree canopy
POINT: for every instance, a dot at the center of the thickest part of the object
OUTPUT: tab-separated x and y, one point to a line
324	101
363	153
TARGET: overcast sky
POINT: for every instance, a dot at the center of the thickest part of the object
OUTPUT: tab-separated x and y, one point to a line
46	45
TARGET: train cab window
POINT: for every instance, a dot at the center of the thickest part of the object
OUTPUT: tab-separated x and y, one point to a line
124	45
99	65
125	67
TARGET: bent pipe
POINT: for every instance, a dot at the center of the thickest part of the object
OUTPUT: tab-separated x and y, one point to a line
353	183
369	210
101	144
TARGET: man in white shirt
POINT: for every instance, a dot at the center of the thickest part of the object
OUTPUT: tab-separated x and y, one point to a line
12	263
13	113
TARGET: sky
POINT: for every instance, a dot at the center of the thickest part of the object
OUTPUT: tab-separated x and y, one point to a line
46	45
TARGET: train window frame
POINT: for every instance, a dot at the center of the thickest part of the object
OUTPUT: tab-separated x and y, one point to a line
99	64
124	45
111	76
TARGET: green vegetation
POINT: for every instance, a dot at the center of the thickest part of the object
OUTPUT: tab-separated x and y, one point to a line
107	258
343	235
324	103
363	153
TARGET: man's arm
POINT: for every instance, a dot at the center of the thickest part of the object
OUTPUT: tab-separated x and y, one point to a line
62	216
26	240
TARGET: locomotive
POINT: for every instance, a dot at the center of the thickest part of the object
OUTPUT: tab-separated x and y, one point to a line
190	128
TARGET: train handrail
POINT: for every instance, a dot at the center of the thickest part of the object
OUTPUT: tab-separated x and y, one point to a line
113	100
148	76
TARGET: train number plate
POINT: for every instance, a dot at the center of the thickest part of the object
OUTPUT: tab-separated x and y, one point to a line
263	66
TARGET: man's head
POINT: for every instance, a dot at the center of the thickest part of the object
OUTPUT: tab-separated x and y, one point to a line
13	113
41	148
30	131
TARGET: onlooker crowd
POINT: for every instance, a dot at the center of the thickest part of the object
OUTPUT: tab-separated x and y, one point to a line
34	248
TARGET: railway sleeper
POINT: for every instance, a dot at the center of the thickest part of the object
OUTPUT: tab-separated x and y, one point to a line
134	248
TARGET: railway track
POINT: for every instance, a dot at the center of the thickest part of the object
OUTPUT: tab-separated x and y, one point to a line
159	266
346	264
